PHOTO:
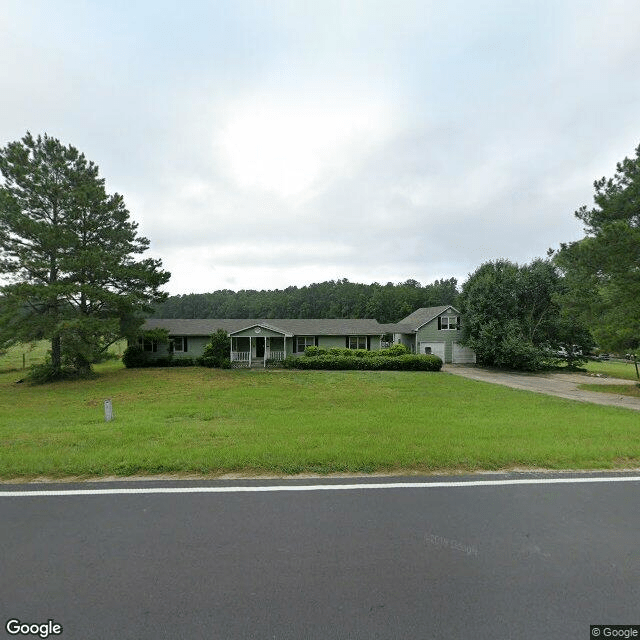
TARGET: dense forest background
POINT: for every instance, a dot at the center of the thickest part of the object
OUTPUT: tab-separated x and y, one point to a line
332	299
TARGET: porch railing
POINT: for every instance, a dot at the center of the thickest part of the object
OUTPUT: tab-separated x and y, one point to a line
240	356
275	355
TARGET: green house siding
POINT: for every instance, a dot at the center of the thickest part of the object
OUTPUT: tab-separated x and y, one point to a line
408	340
195	346
430	333
330	342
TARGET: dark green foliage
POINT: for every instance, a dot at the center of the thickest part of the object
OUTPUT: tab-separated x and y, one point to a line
603	269
332	299
392	352
216	351
513	318
67	247
135	357
46	372
407	362
181	362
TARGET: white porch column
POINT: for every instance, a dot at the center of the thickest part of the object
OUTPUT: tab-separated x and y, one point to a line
250	349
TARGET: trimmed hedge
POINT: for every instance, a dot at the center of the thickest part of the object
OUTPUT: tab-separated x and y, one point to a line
392	352
375	362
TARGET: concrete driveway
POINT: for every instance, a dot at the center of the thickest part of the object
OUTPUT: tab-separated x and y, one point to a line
563	385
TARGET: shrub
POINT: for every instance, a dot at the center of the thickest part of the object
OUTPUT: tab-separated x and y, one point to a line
406	362
216	350
181	362
135	356
394	350
46	372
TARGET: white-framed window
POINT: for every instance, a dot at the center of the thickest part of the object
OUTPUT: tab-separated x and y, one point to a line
449	323
179	344
148	345
302	342
357	342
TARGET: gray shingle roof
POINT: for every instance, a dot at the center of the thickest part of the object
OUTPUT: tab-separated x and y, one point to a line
421	316
288	326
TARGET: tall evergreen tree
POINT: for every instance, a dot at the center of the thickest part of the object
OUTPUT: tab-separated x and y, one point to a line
67	252
603	268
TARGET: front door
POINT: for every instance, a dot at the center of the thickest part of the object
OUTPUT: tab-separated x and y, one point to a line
260	347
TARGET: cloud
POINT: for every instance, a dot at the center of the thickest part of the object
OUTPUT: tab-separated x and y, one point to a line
268	144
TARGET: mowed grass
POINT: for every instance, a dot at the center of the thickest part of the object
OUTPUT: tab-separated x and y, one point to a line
194	420
632	390
623	370
22	356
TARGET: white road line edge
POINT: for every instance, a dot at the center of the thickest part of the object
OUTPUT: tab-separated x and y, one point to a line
314	487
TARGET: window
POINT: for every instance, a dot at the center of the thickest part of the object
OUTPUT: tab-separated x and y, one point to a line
148	345
449	323
302	342
179	344
357	342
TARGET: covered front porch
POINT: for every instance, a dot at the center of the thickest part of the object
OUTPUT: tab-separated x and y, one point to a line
257	347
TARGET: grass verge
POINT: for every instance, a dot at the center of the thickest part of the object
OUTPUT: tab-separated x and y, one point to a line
632	390
196	420
623	370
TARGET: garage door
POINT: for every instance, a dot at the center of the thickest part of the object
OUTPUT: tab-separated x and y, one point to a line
435	348
463	355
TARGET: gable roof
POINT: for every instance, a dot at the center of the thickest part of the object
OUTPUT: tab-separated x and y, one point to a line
420	317
286	326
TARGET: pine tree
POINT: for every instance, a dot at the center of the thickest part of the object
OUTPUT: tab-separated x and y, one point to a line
67	254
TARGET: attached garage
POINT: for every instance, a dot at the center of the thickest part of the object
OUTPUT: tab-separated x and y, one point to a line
434	348
463	355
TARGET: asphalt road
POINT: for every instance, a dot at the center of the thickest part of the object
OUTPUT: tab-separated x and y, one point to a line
471	561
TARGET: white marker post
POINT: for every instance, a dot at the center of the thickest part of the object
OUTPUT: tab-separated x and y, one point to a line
108	411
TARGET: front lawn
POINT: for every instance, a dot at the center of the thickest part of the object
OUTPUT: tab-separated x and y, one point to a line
632	390
624	370
206	421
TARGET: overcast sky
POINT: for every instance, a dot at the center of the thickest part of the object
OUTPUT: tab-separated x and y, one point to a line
274	143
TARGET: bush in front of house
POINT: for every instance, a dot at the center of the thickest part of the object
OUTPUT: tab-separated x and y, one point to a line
134	357
394	350
391	352
180	362
216	351
406	362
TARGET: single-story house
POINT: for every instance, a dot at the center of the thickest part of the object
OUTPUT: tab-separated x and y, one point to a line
254	341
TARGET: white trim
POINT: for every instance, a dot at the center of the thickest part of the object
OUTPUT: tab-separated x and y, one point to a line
433	344
262	326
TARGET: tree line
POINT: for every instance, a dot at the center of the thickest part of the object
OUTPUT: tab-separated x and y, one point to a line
332	299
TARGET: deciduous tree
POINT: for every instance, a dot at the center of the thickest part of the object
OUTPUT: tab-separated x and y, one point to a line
512	317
